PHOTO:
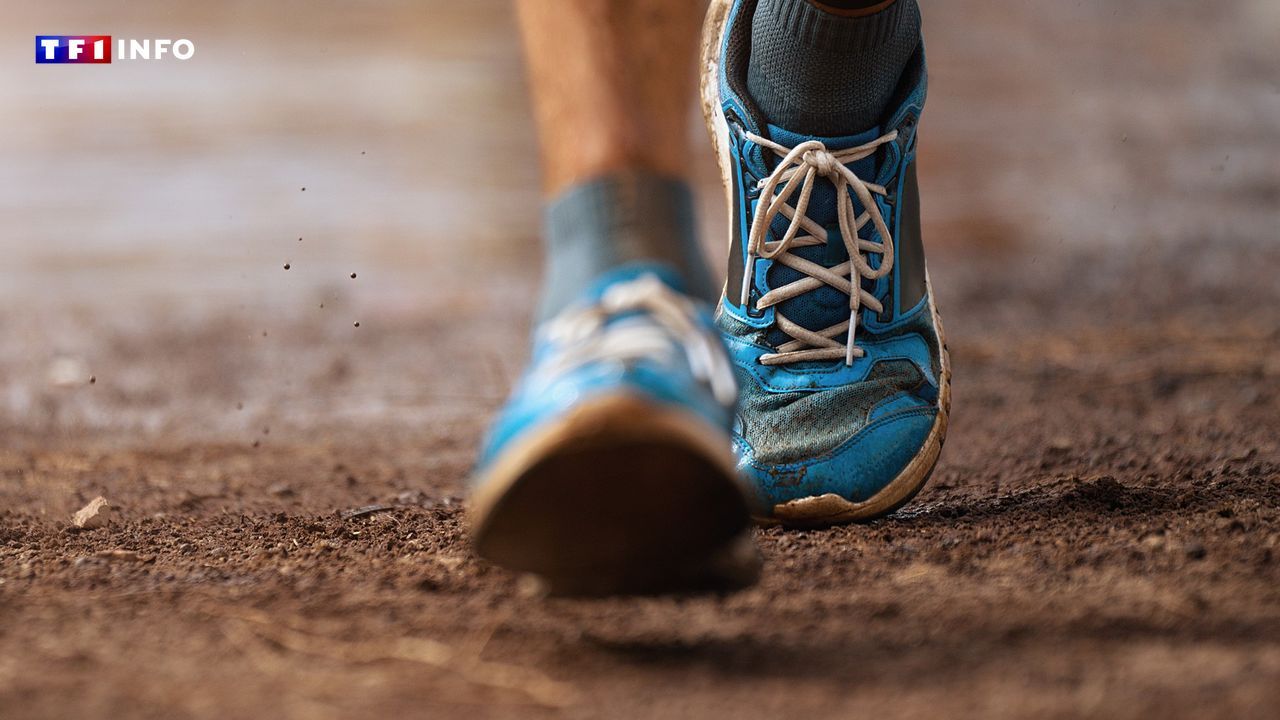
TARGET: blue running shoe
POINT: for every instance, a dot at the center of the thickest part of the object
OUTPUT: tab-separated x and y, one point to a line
611	470
828	313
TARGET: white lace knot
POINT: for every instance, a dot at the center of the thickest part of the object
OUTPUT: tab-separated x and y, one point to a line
823	161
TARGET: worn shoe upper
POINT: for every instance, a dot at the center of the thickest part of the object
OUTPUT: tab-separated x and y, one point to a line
632	332
827	311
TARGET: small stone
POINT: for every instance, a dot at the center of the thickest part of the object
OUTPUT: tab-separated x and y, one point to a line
414	497
531	586
280	489
93	379
1195	550
65	372
356	323
125	556
353	276
94	515
286	266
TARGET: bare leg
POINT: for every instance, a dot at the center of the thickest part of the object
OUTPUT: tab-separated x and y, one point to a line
612	81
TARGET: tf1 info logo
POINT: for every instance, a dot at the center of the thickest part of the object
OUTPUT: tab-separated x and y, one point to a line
96	49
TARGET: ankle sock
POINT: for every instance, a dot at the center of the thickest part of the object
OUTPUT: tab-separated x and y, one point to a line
825	72
623	218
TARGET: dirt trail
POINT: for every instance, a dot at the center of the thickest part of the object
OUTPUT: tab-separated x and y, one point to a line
1102	537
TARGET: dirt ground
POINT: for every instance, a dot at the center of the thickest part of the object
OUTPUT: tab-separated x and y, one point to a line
1101	538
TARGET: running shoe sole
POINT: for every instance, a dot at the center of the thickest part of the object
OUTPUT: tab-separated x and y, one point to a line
619	496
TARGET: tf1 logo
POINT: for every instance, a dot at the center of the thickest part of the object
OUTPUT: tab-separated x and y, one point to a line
96	49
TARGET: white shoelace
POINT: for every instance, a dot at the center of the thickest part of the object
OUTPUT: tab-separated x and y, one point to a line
670	322
810	160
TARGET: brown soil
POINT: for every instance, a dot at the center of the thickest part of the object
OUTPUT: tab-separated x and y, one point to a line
1102	536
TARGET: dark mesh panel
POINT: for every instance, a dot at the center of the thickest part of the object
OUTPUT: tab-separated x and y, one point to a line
786	427
737	56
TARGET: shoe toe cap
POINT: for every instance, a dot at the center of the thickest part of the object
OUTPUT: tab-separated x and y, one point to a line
855	470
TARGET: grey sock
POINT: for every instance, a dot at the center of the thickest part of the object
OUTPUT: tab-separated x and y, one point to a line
818	73
619	219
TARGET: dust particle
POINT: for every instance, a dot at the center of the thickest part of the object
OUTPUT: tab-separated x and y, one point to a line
93	379
353	276
356	323
286	266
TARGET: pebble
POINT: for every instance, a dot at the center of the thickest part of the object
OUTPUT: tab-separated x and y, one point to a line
94	515
65	372
125	555
1061	444
1195	550
531	586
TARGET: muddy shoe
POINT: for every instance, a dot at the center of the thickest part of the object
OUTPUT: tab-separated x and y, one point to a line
610	470
828	315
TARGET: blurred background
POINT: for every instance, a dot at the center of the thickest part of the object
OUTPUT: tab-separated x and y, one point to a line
147	208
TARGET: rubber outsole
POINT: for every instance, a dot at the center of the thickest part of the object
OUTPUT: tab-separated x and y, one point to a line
619	496
828	509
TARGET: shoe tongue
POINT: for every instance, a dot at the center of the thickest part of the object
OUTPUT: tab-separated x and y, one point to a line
863	168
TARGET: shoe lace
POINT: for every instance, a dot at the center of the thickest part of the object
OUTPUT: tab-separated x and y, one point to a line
808	161
663	320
